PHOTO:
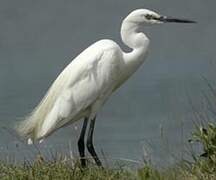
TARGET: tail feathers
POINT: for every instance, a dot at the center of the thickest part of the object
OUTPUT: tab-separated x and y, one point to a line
27	128
31	126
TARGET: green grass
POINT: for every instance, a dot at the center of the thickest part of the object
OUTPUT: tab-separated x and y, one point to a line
203	166
62	170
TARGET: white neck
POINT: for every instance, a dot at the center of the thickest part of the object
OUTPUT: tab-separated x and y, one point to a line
132	36
137	41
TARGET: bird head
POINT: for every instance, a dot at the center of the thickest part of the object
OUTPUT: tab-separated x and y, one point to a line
145	16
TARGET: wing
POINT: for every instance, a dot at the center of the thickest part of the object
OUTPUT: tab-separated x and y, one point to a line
86	80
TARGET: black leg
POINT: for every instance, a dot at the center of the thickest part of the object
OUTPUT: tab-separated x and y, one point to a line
90	145
81	143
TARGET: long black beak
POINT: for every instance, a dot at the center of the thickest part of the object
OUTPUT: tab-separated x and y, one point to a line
166	19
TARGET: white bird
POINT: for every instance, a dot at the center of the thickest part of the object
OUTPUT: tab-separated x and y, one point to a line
86	83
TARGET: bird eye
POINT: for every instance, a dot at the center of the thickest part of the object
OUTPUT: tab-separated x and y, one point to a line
148	16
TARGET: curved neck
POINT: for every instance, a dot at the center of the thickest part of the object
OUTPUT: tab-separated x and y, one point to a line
132	36
137	41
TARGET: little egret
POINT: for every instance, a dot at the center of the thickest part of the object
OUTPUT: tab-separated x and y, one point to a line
86	83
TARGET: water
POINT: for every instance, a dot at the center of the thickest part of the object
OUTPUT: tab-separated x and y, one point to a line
149	116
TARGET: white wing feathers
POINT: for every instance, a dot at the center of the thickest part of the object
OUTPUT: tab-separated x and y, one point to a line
87	80
93	81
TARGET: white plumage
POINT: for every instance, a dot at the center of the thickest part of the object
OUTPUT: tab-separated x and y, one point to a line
79	91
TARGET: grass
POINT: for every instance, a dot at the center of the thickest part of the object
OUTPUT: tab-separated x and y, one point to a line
60	170
202	167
